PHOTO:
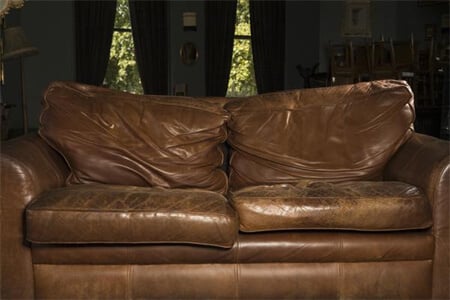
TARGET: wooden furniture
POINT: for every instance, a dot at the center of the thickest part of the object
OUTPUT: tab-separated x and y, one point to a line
382	60
340	64
360	62
349	63
424	75
403	58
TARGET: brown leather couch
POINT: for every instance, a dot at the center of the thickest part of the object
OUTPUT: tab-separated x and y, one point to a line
324	193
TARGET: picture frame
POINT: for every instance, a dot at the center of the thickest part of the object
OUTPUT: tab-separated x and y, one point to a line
357	19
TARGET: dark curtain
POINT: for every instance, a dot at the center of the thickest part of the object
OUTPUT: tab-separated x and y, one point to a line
267	22
220	17
94	25
150	35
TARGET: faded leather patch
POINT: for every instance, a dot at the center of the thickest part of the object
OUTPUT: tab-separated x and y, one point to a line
94	213
358	205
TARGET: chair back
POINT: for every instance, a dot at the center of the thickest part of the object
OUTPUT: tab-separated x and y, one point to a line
360	61
381	58
403	55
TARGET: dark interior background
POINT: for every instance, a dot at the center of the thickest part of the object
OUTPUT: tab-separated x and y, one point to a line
310	26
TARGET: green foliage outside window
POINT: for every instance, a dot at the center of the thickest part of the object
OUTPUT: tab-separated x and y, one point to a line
122	72
242	75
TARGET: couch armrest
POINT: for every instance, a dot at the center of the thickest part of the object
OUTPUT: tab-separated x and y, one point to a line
28	167
424	161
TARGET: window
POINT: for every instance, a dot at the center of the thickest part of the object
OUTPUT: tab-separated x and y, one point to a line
122	72
242	75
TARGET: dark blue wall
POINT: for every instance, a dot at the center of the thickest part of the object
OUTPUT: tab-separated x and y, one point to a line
310	26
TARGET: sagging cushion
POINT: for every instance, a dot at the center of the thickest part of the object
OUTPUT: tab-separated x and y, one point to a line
361	206
339	133
96	213
113	137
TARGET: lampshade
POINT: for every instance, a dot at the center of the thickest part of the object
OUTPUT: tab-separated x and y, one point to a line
16	44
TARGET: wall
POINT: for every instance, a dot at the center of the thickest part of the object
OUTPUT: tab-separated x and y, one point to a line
409	12
383	22
49	27
302	39
310	26
55	60
192	75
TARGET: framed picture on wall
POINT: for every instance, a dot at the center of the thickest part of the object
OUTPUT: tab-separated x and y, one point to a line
357	19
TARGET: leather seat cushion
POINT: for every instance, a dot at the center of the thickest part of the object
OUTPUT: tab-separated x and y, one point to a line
123	214
113	137
362	206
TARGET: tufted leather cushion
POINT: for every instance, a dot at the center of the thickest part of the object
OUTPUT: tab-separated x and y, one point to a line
362	206
113	137
122	214
335	134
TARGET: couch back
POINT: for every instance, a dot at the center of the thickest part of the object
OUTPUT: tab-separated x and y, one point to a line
113	137
334	134
339	133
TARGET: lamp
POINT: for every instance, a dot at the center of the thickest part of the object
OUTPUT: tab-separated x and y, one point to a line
5	5
17	46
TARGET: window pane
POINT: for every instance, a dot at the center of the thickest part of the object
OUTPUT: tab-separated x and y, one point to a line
122	15
242	18
242	75
122	72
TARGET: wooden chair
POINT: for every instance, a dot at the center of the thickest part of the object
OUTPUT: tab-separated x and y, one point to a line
403	58
424	75
382	60
348	63
360	62
341	71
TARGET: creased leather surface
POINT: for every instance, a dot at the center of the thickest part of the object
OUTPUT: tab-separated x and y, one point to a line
28	167
359	205
113	137
337	133
122	214
424	161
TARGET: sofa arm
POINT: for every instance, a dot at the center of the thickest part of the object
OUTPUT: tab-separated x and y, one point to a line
424	161
28	166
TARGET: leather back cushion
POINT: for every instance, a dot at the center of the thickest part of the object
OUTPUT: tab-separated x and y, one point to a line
337	133
113	137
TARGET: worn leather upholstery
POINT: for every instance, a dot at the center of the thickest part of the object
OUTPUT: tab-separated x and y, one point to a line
357	205
424	161
163	141
296	264
267	247
334	280
28	167
124	214
331	134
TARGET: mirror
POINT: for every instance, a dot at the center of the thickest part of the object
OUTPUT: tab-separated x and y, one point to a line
188	53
